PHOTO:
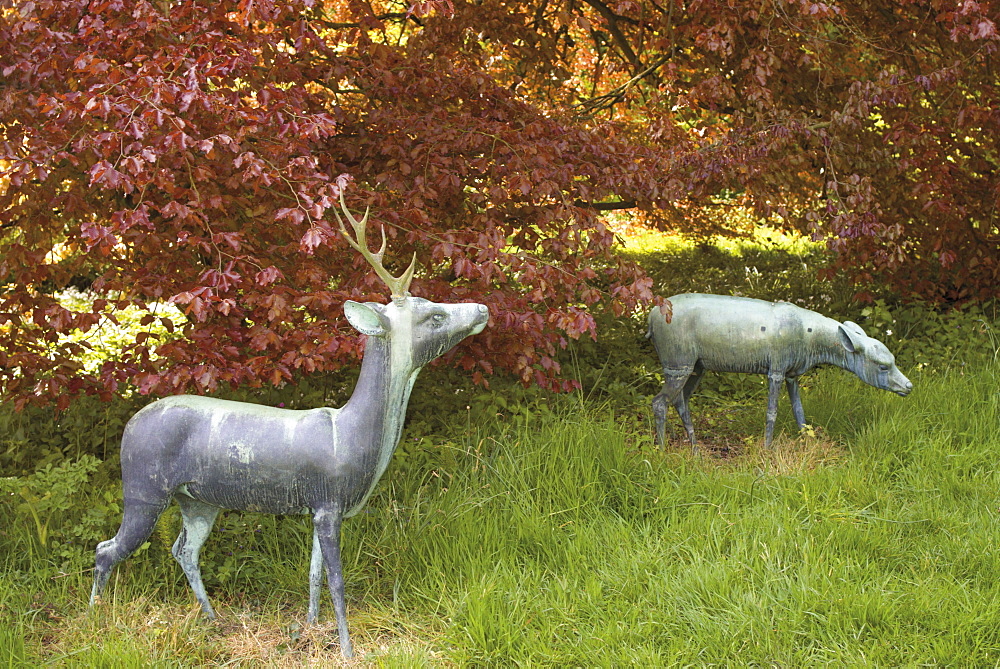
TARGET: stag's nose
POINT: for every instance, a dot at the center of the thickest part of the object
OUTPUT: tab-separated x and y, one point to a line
482	318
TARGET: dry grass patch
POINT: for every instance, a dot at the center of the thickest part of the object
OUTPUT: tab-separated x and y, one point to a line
806	452
238	637
255	640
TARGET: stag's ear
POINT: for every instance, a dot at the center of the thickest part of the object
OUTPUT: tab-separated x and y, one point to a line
852	337
366	318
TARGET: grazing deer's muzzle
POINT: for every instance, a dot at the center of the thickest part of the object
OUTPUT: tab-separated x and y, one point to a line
902	386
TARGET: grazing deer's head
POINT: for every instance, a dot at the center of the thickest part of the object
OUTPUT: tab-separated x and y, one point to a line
871	360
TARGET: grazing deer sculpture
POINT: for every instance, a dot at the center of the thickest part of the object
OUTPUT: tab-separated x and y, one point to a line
741	334
211	454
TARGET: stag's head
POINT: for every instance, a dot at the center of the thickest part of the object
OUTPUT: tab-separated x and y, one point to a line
416	329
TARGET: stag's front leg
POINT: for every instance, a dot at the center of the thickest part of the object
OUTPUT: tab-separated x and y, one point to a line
326	525
198	519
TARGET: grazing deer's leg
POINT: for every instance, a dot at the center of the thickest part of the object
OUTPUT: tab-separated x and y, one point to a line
673	393
660	416
674	382
692	383
773	391
326	523
685	413
689	387
678	386
315	579
198	519
796	399
138	521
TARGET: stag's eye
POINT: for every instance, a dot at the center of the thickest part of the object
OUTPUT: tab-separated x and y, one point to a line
883	368
437	319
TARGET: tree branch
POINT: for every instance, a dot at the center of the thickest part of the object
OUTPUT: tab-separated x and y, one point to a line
392	16
616	32
615	95
606	206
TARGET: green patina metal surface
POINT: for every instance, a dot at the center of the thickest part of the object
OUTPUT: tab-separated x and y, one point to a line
739	334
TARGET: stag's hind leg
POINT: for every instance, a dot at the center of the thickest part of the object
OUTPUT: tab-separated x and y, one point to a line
138	521
198	519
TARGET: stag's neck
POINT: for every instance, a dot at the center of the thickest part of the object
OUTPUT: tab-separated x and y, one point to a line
376	410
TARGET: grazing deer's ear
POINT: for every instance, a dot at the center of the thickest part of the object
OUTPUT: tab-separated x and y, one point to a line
851	325
365	318
851	336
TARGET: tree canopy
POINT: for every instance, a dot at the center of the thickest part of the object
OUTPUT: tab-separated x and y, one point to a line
189	152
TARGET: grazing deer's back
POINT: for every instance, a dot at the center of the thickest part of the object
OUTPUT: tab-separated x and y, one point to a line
735	334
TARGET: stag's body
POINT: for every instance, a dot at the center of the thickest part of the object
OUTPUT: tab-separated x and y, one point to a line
779	339
211	454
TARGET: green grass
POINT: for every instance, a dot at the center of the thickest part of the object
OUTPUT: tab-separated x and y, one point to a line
518	529
572	541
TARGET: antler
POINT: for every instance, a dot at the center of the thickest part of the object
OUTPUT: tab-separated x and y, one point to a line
398	286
